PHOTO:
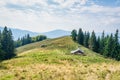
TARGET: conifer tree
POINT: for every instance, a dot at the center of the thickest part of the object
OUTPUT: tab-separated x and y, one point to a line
74	35
118	58
109	46
116	46
85	43
86	39
7	43
98	45
4	40
80	37
1	51
23	39
18	43
11	47
28	39
102	43
92	45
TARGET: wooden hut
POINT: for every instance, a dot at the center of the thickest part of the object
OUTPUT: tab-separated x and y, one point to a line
77	51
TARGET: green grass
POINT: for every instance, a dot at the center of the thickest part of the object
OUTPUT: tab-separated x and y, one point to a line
55	62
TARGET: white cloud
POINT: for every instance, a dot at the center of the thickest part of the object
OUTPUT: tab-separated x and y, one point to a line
70	3
100	9
83	2
2	3
51	16
29	2
59	1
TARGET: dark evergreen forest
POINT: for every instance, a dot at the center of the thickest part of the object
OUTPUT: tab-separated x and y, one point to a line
108	46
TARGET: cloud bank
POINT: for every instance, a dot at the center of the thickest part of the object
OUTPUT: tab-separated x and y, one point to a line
46	15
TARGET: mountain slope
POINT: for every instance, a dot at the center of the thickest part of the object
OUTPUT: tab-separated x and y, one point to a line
54	62
57	33
17	33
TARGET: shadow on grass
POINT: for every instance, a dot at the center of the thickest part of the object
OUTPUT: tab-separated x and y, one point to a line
18	57
2	67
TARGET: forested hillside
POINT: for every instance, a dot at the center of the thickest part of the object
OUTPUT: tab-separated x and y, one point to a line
8	44
108	46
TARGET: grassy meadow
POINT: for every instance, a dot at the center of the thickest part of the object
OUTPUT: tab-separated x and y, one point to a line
54	62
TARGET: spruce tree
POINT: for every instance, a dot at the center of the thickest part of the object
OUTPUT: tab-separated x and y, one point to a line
80	37
74	35
11	44
92	45
118	58
98	45
84	43
108	51
7	43
24	40
18	43
4	40
86	39
28	39
116	46
102	43
2	55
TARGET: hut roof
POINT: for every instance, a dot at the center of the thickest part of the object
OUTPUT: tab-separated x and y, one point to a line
77	51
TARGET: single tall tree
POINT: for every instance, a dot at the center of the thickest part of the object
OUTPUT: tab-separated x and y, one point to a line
2	55
74	35
116	46
108	51
28	39
80	37
4	40
92	45
11	44
102	43
98	44
86	39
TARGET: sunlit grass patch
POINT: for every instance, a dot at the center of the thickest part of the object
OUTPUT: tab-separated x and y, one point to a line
55	62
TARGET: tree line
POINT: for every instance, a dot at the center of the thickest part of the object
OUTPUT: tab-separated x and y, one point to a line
7	49
108	46
8	45
27	39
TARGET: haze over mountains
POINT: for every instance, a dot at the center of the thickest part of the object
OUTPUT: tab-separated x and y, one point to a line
17	33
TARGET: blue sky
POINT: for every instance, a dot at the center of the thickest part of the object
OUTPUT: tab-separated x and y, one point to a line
47	15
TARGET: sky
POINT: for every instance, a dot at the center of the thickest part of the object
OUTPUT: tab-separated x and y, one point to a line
47	15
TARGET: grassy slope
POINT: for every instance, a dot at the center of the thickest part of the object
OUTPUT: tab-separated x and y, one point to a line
56	63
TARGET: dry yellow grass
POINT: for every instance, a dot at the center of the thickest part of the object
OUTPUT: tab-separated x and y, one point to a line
55	63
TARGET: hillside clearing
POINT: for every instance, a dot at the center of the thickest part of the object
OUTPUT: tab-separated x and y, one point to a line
55	62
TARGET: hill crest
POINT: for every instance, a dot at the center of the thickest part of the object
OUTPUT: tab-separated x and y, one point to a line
54	62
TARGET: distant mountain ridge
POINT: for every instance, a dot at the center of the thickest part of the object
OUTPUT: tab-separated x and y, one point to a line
56	33
18	33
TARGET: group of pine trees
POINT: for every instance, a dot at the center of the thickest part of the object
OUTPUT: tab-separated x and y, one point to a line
8	45
7	49
108	46
27	39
